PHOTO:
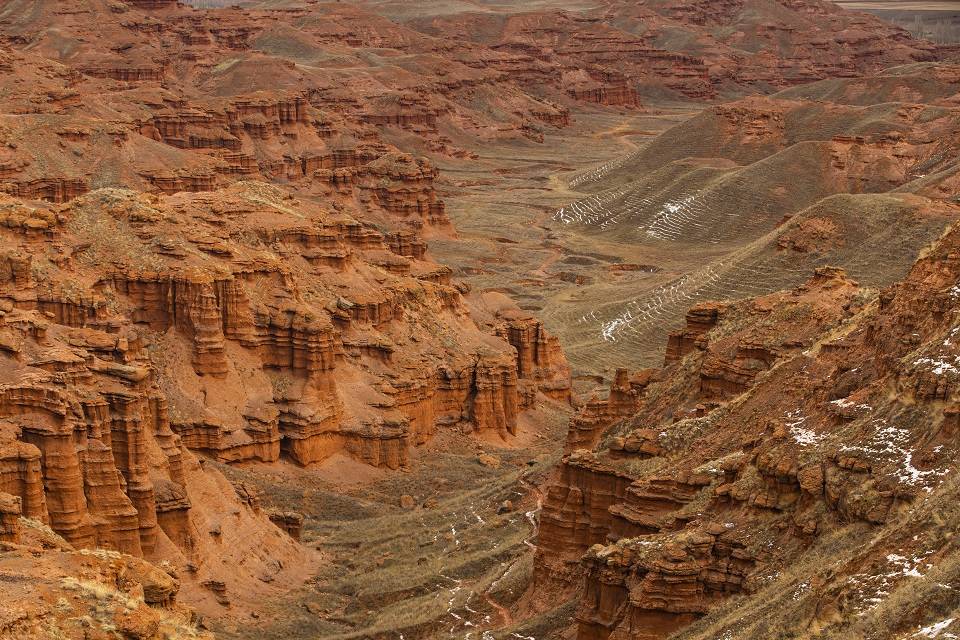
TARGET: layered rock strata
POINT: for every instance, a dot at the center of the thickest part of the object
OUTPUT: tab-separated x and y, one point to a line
291	338
770	428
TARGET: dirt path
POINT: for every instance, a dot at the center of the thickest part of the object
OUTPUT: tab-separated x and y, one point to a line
506	619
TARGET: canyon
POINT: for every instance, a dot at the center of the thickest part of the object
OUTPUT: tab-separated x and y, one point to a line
600	321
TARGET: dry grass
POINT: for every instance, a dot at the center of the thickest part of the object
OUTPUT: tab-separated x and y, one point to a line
419	572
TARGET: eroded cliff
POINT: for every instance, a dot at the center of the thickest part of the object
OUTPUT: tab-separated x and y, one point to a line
780	427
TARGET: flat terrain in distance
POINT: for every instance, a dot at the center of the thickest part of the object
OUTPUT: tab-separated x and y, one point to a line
937	21
905	5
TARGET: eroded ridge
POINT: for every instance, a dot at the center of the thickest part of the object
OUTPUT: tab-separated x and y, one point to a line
769	435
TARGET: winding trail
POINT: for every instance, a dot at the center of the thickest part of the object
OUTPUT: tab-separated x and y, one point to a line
532	515
506	619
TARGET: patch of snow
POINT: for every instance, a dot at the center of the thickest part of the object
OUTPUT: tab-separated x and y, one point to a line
891	442
953	333
907	567
476	515
801	434
936	630
874	588
940	365
799	591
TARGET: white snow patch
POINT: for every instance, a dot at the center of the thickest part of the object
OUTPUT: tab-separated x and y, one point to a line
873	589
892	443
940	365
936	630
801	434
800	590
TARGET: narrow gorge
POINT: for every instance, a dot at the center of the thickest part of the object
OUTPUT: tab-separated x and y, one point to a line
489	321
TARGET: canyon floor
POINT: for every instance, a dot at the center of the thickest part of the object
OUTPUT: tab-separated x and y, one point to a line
458	562
504	206
450	563
609	320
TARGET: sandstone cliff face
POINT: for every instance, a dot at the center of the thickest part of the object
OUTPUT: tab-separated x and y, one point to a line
288	336
173	293
142	335
599	413
198	99
230	91
667	586
88	450
772	429
540	360
608	53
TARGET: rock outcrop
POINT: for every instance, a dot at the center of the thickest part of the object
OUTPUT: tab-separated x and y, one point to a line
214	250
86	447
140	331
319	344
78	593
771	428
613	51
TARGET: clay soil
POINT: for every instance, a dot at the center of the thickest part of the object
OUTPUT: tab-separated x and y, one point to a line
459	561
609	229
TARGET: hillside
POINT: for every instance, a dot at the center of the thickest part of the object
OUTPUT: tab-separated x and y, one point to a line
308	311
788	473
799	173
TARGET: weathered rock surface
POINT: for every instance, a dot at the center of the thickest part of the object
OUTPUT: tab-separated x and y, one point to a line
59	591
213	246
139	330
771	427
260	344
615	50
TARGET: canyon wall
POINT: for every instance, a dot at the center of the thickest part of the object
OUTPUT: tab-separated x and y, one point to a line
770	428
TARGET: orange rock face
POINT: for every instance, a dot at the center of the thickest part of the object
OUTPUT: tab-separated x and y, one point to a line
211	250
82	593
314	312
771	419
604	54
241	325
214	230
88	450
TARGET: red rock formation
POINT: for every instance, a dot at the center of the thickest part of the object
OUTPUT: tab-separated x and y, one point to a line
665	587
51	189
10	511
700	320
775	412
289	521
225	310
597	415
86	444
607	53
72	589
540	359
